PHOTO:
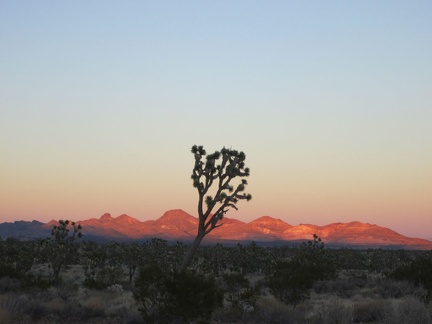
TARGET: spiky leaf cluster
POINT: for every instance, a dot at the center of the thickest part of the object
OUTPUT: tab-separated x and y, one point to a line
220	168
60	233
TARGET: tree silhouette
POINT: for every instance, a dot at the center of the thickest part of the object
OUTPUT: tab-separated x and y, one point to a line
60	247
219	169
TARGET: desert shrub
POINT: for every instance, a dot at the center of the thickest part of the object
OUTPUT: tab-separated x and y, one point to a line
252	259
158	251
272	310
72	311
16	257
290	283
94	306
55	305
343	288
268	309
7	270
116	289
9	284
358	278
238	291
120	305
348	284
350	259
323	286
240	297
192	296
409	310
293	278
370	311
102	265
36	310
388	288
13	304
92	283
164	297
418	271
38	282
332	312
103	277
150	292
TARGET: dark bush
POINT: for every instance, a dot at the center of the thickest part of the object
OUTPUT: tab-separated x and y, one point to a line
7	270
293	279
9	284
36	311
181	297
37	281
343	288
238	289
370	312
418	272
388	288
103	277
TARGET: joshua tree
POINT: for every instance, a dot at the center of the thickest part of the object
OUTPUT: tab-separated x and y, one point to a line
60	248
219	168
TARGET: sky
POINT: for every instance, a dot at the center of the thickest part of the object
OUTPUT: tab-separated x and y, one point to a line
101	102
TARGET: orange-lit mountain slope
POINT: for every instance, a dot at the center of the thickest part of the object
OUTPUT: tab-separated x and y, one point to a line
178	225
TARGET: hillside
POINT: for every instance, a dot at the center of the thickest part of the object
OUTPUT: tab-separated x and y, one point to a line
178	225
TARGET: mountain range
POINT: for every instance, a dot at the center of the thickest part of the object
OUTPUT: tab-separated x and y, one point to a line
178	225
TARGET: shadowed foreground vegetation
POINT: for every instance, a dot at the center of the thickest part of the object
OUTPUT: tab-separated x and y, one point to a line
139	283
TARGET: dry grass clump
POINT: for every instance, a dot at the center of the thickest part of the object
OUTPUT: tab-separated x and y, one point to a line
78	306
18	307
347	285
271	310
370	311
122	305
106	304
267	309
387	288
94	306
344	288
332	311
407	311
13	303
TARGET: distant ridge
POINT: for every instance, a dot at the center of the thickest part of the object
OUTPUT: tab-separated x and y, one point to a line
176	224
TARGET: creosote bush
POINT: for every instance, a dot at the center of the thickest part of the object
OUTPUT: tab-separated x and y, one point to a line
418	272
293	278
180	297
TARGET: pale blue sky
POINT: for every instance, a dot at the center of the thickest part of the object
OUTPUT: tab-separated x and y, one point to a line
100	102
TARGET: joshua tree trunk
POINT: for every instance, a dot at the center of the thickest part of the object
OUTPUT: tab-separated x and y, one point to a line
190	253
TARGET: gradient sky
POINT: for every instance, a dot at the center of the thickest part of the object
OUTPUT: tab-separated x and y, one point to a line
101	101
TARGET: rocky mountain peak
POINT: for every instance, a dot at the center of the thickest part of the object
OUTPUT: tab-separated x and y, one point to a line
106	217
